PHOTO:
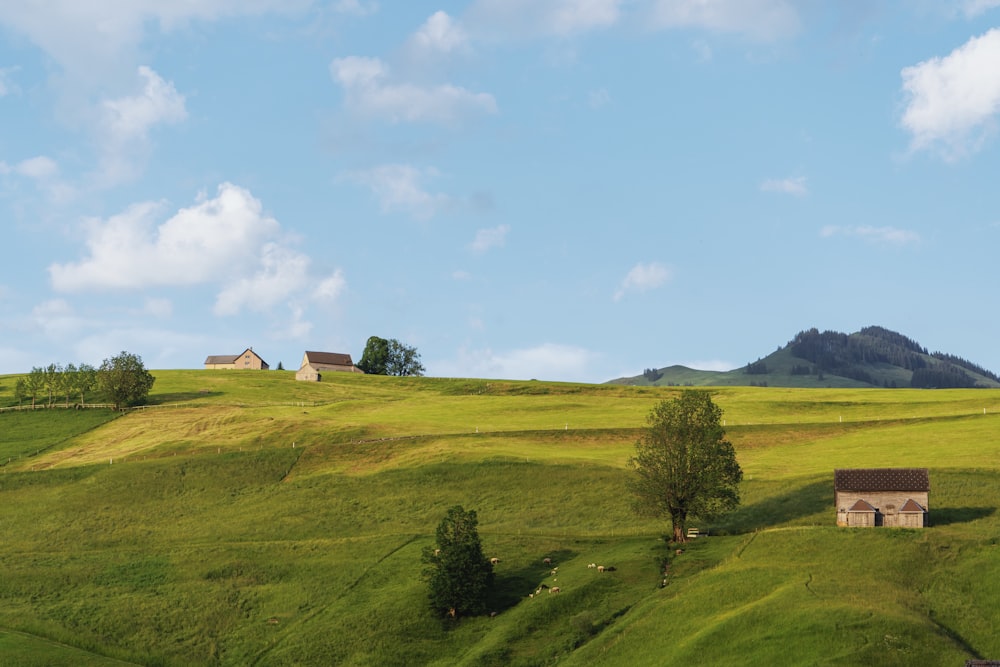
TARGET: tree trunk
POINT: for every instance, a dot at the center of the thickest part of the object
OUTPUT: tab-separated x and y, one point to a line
679	519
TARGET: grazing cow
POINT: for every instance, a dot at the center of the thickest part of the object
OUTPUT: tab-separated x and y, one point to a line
600	568
547	561
610	568
554	589
592	566
494	560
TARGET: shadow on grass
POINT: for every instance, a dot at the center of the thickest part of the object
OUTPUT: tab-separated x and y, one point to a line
949	515
511	587
780	509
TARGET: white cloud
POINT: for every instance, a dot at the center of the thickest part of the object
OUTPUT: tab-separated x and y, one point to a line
57	319
209	241
355	7
370	93
890	235
490	238
973	8
544	17
710	365
159	308
331	287
7	85
39	168
598	98
643	277
548	361
280	273
440	34
90	38
953	102
789	186
398	187
126	123
758	19
226	240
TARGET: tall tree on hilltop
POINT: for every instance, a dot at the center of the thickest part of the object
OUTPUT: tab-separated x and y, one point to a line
684	466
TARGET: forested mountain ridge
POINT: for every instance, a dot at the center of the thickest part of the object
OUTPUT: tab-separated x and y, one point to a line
872	357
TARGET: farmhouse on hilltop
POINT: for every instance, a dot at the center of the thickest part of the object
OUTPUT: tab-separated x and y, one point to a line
315	363
882	496
246	360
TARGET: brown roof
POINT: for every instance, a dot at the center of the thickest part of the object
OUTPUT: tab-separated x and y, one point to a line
911	505
221	359
328	359
881	479
861	506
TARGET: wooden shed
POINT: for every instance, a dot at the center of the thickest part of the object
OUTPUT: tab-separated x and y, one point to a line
872	497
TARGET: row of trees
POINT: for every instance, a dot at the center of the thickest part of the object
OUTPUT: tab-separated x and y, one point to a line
123	381
55	382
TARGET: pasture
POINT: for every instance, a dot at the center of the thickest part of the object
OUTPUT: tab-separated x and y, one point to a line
247	519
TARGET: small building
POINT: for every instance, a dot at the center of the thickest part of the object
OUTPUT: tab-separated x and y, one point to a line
314	364
869	497
246	360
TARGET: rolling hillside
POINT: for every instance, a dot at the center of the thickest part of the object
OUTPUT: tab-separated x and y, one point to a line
872	357
244	518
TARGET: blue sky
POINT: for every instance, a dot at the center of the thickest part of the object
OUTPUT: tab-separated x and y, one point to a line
553	189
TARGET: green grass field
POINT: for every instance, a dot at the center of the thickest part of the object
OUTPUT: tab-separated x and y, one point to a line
244	518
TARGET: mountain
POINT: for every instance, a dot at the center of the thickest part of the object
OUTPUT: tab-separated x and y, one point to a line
872	357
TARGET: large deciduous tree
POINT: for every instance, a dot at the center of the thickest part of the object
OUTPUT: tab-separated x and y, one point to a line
403	360
375	357
460	577
390	357
684	466
125	380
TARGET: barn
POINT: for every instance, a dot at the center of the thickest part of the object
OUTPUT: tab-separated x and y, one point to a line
871	497
314	364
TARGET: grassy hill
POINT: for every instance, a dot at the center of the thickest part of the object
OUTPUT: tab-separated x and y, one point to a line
247	519
872	357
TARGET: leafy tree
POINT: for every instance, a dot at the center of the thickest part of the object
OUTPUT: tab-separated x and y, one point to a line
34	384
53	380
375	357
21	390
403	360
84	381
125	380
390	357
459	575
684	465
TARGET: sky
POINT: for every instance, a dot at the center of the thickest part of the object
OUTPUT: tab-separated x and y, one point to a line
569	190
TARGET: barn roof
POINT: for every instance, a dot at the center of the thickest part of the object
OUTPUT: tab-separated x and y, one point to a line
221	358
328	359
861	506
881	479
911	505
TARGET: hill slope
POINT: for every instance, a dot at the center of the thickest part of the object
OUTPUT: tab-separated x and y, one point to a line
872	357
248	519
